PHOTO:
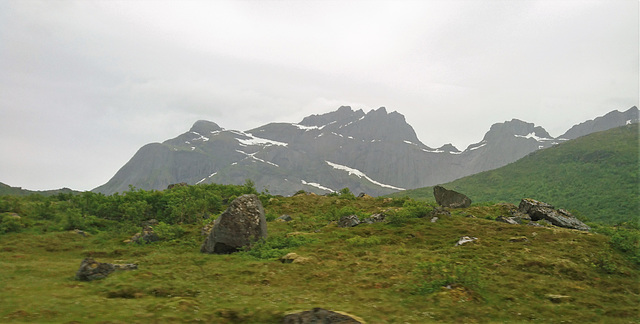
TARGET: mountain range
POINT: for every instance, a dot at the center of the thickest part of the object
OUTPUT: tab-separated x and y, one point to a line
376	152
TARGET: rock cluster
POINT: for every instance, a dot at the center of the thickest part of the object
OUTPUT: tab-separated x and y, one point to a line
348	221
147	235
91	269
239	226
538	210
319	315
449	198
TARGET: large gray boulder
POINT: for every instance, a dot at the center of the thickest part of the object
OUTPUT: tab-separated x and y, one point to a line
242	224
538	210
449	198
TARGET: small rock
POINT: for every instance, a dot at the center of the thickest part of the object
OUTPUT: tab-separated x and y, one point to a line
519	239
294	258
375	218
508	220
321	316
434	219
440	211
284	218
465	239
83	233
556	299
91	269
348	221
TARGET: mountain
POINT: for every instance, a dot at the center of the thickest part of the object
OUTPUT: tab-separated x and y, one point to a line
608	121
376	152
596	176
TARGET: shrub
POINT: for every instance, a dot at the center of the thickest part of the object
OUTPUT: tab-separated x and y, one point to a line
168	232
360	241
432	276
10	224
276	246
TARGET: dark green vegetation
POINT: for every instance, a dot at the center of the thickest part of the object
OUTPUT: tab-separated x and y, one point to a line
406	270
595	176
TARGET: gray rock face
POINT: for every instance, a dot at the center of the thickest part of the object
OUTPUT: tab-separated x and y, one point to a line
322	153
608	121
240	225
91	269
450	198
319	316
348	221
538	210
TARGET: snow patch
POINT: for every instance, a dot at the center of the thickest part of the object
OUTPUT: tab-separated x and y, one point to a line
254	140
193	148
360	174
252	155
306	128
477	147
317	185
200	137
533	135
433	151
628	122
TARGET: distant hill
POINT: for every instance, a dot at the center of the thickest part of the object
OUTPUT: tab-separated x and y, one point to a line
597	176
376	152
6	190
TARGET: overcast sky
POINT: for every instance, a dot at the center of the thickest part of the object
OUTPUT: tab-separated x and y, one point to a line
85	84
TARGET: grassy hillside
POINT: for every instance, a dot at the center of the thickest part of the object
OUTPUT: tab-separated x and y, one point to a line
405	270
17	191
595	176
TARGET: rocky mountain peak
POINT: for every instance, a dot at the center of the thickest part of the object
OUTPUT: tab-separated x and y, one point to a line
205	127
517	128
449	148
612	119
343	115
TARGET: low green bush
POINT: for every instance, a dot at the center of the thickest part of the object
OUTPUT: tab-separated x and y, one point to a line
275	246
433	276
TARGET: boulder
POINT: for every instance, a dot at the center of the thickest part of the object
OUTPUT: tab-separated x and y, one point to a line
439	212
240	225
91	269
450	198
465	239
148	235
321	316
374	218
364	195
538	210
348	221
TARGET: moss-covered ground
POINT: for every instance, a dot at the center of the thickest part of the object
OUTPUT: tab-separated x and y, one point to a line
405	271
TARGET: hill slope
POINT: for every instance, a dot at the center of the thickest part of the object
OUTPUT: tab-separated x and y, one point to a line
595	175
6	190
403	270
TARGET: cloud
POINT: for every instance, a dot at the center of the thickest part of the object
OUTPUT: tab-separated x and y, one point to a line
86	83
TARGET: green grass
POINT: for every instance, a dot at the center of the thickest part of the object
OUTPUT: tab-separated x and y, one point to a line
596	177
381	272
